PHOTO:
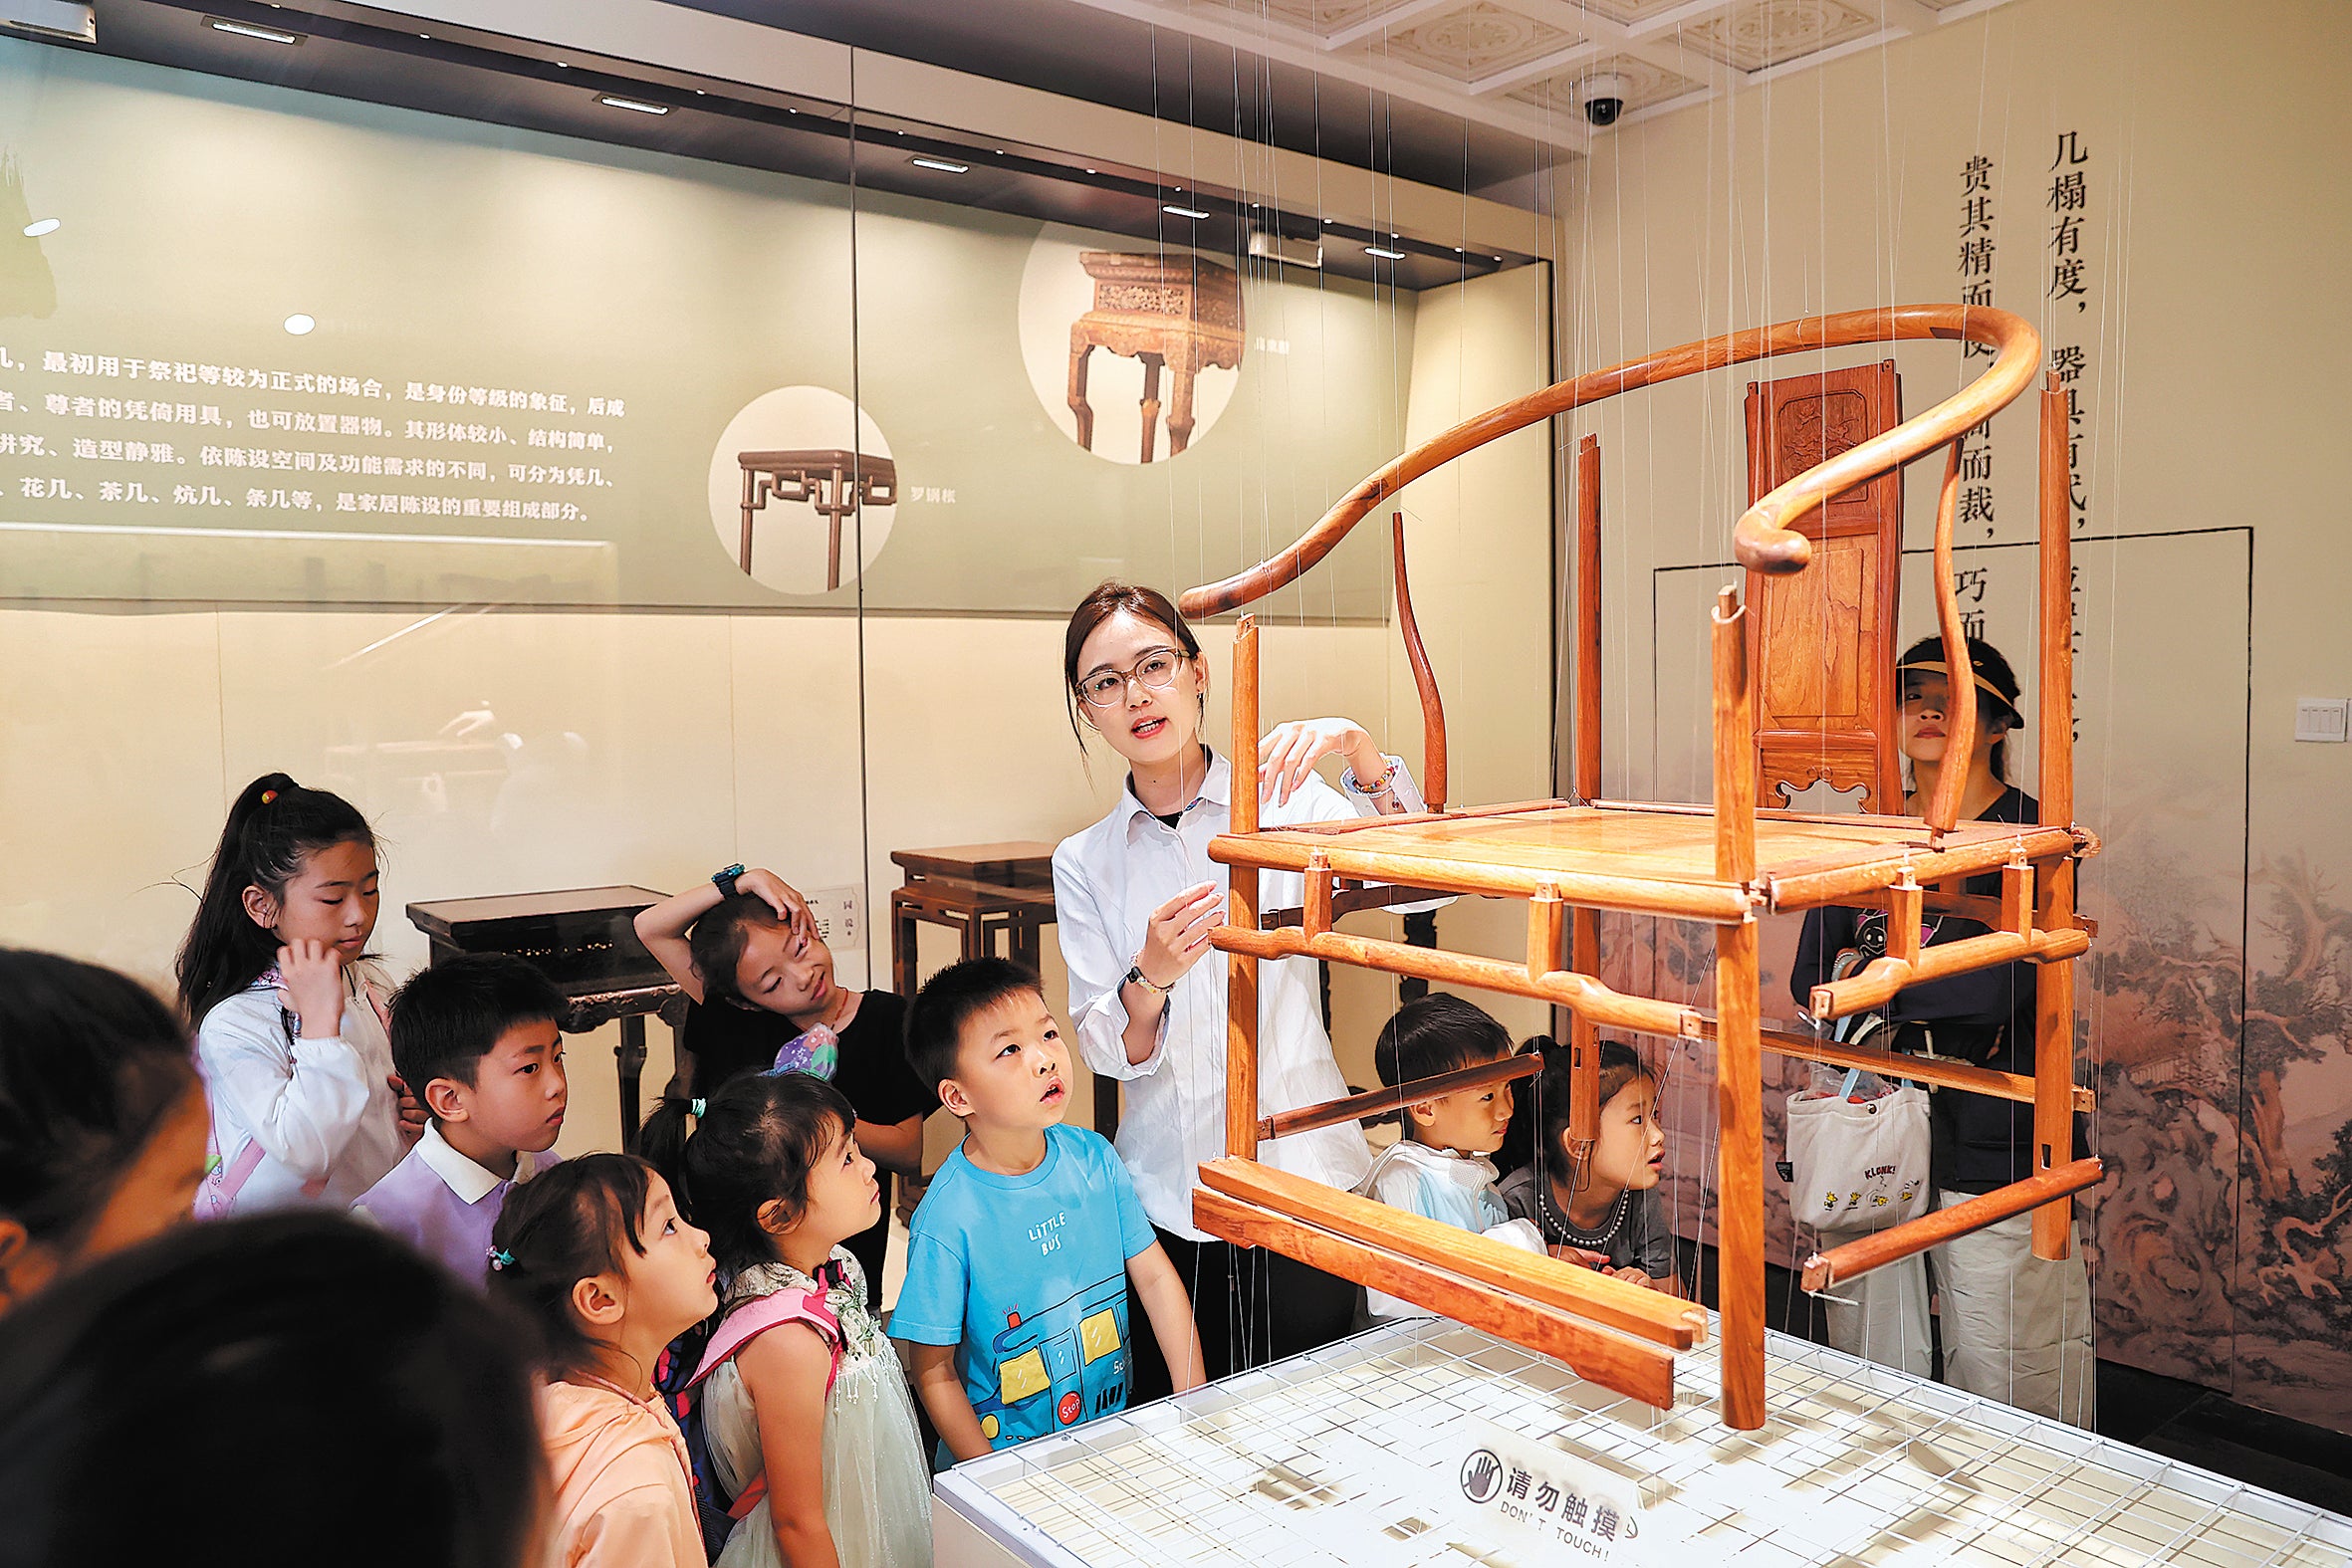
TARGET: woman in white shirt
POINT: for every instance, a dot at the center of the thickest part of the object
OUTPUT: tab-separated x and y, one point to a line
1135	897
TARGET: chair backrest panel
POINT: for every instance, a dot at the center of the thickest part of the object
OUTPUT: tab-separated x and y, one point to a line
1822	641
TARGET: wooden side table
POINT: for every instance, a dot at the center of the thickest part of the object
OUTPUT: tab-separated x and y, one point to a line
982	891
1177	311
835	483
586	941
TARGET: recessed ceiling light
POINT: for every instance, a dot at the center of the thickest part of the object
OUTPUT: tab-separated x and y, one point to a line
632	105
699	93
1383	253
1090	171
1193	213
941	165
1457	250
426	36
298	323
39	226
267	35
562	64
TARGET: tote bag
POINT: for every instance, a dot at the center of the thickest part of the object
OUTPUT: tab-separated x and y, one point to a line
1855	1166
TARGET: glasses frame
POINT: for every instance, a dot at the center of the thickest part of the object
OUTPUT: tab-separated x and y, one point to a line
1131	677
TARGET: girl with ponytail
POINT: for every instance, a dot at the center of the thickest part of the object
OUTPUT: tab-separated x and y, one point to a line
289	1011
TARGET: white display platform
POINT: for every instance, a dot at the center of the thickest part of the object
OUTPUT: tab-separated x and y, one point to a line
1364	1454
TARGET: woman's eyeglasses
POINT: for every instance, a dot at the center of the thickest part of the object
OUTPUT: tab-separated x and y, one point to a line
1106	688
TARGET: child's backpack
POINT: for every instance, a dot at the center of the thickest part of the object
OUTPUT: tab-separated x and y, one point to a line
691	1358
673	1376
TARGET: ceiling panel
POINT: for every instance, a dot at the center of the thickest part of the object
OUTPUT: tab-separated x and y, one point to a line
1470	42
1759	34
1322	18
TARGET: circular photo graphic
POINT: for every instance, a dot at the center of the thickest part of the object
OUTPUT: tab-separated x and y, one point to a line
1134	350
802	490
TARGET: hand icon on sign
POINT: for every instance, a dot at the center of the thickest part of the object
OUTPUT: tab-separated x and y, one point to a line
1482	1476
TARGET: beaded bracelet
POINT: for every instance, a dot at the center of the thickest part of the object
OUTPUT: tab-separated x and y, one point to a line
1387	779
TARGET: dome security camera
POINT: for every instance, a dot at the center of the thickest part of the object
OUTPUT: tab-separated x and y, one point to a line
1605	97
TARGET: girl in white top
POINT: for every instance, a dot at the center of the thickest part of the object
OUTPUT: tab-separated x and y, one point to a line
289	1018
1135	897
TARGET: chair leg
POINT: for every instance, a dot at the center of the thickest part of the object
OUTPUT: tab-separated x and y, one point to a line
1739	1080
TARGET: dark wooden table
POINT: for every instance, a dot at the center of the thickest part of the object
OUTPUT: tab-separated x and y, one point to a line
982	892
586	941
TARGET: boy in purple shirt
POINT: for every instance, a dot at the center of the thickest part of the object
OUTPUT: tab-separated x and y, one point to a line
476	1035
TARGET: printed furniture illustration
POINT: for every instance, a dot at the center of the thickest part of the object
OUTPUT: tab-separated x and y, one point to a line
1179	312
835	483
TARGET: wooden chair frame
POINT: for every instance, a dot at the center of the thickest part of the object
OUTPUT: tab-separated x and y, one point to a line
1572	858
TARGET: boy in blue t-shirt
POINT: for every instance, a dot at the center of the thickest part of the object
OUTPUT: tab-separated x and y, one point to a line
1020	1257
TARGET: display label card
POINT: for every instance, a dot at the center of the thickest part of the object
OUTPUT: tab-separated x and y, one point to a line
1529	1492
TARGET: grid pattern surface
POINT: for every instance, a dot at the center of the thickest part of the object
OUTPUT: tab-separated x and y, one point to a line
1346	1457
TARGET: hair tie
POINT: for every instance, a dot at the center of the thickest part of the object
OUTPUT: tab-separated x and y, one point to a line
267	795
697	1107
500	1257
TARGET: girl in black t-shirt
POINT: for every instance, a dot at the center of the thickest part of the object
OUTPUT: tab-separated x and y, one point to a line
745	949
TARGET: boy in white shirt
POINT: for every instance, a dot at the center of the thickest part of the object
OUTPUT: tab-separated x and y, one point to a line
1439	1167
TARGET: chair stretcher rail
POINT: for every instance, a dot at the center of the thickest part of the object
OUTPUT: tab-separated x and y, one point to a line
1628	1366
1376	1103
1878	983
1942	1071
1583	994
1856	1258
1617	1304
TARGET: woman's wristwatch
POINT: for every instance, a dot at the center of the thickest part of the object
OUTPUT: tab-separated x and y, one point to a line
724	881
1136	976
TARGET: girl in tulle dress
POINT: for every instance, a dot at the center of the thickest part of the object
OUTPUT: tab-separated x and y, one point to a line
808	1417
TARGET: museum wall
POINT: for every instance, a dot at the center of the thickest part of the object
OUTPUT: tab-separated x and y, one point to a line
2187	285
588	688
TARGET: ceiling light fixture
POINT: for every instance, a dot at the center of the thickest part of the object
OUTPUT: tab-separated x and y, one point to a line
1193	213
39	226
300	324
1383	253
267	35
632	105
941	165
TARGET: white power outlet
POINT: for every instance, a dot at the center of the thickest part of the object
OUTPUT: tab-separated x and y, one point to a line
840	919
2324	719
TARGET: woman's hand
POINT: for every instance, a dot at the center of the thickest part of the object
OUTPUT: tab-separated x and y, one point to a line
1289	751
310	980
775	892
1178	933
